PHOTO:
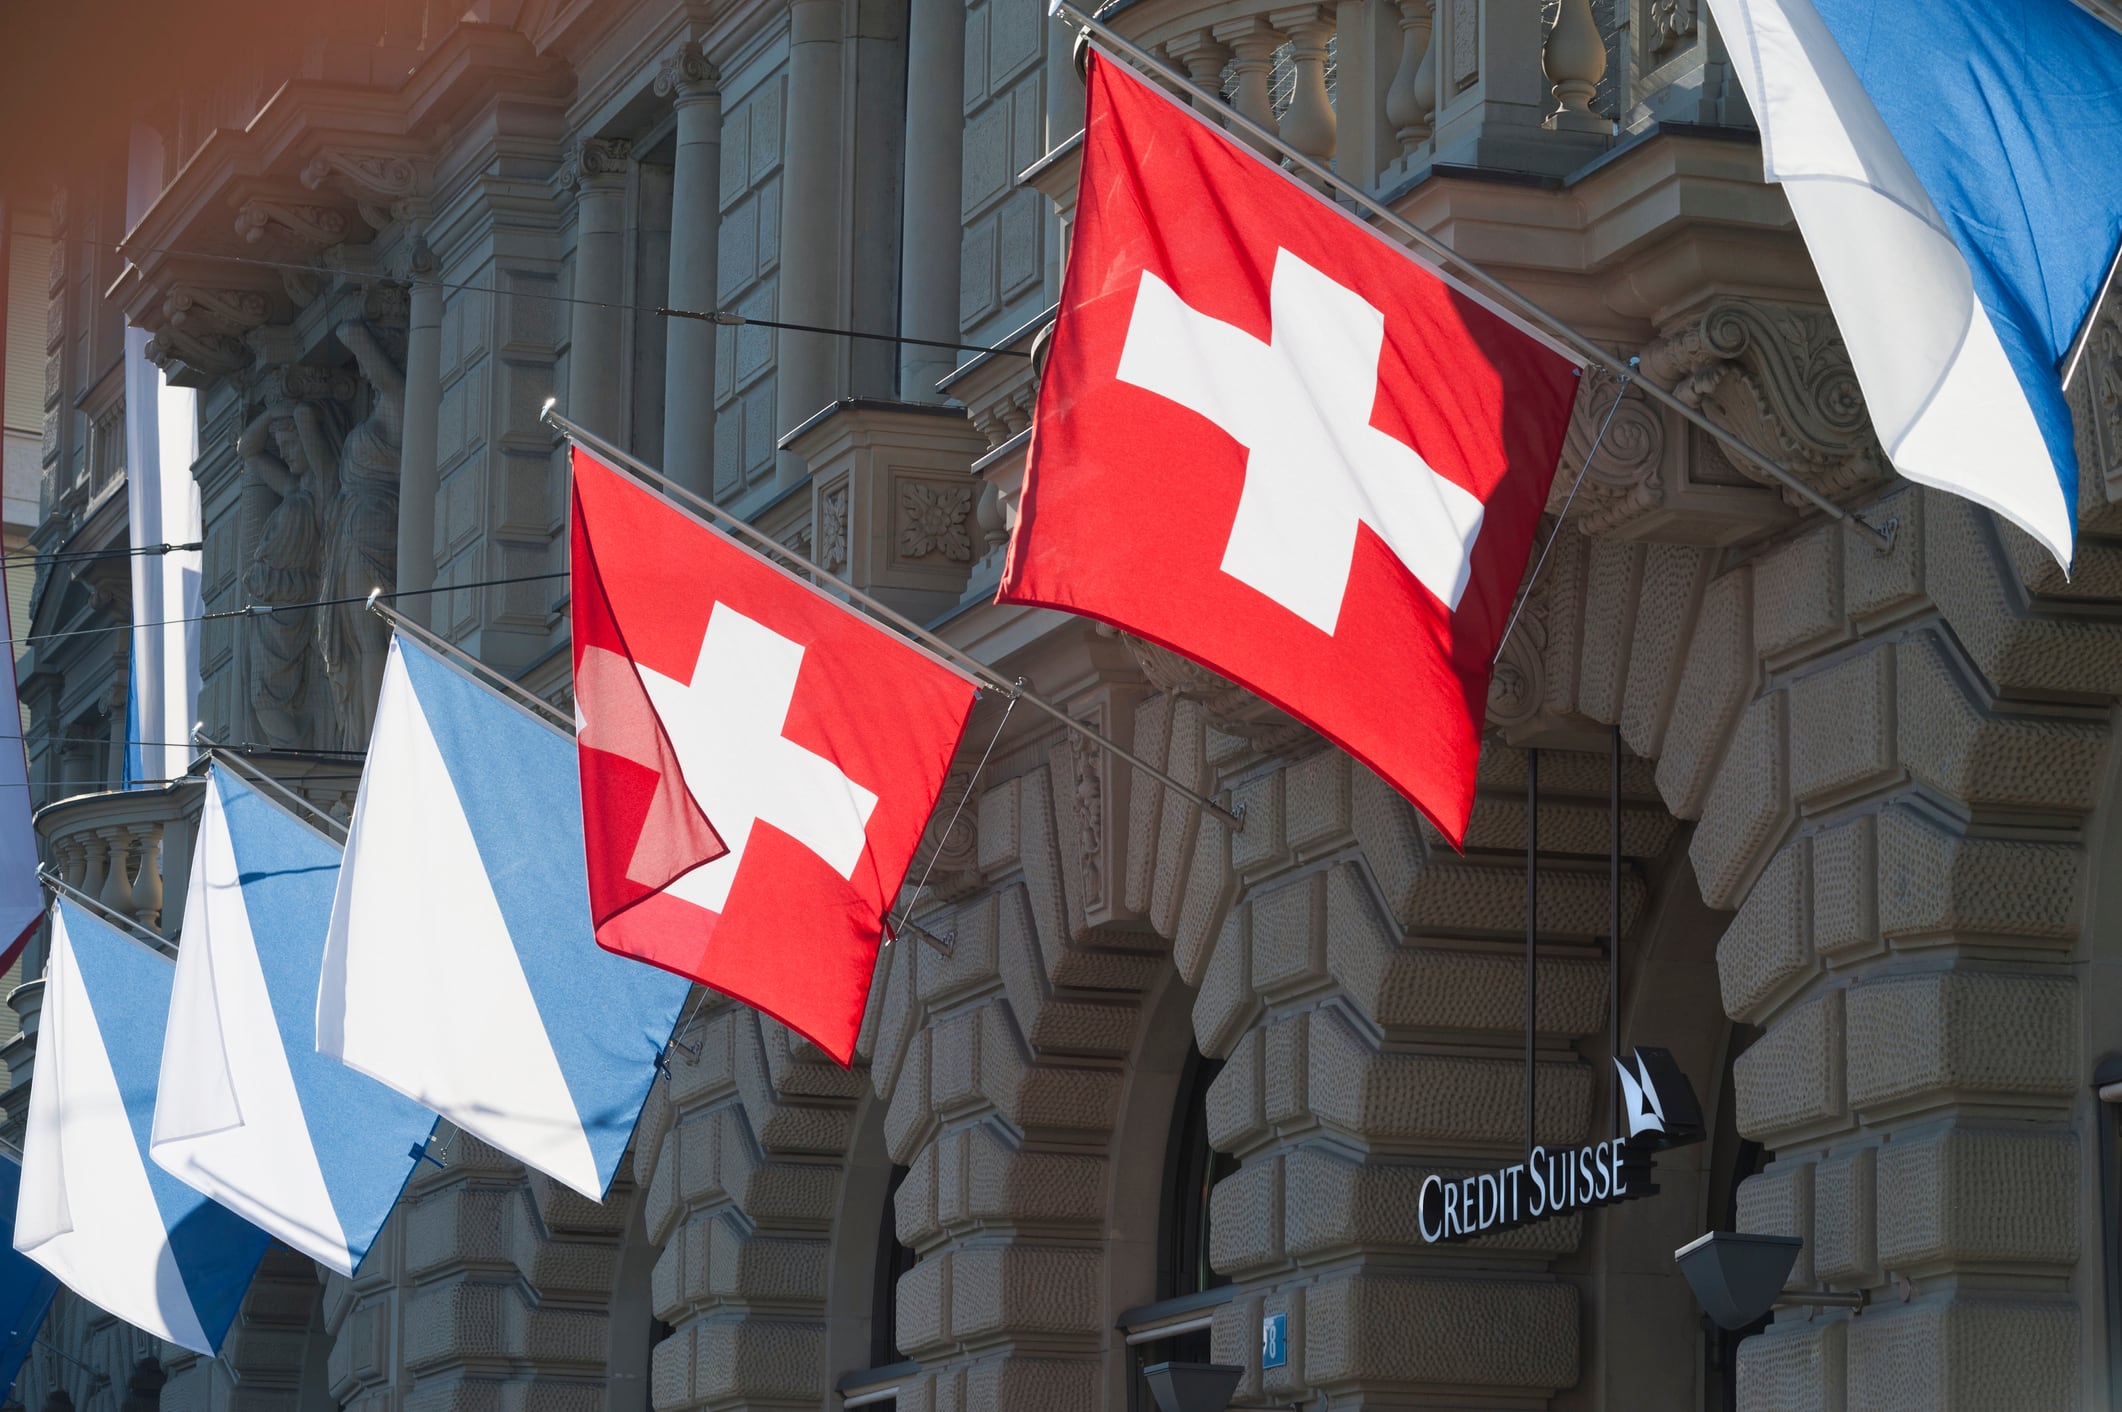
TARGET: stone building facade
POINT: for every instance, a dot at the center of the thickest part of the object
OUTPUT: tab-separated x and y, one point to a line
1168	1078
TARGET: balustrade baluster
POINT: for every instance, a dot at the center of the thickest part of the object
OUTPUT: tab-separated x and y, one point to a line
1411	101
147	883
1308	122
97	850
117	893
1204	59
1252	45
1574	61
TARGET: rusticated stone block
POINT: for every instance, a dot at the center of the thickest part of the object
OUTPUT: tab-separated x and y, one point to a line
1209	887
1798	592
1845	1238
1748	808
897	1018
1972	1196
1488	1333
915	1216
1674	577
1145	801
771	1269
908	1117
974	927
1004	1183
1180	828
1032	1384
462	1226
1965	1352
1261	840
1235	1112
1234	1340
1876	583
1226	1003
998	835
1613	574
1245	1218
758	1360
1289	938
922	1306
1779	1201
1397	986
1385	825
1285	1103
1319	793
1959	1032
1464	897
1935	883
1842	727
1431	1098
1766	951
680	1268
1791	1080
1056	1023
1714	685
1795	1367
1845	877
1024	1290
1952	743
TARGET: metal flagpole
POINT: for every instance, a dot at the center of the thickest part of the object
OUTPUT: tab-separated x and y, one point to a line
134	931
1532	928
968	666
1580	343
325	824
522	695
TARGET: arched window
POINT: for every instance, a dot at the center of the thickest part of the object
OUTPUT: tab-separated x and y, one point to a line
893	1260
1191	1170
1186	1280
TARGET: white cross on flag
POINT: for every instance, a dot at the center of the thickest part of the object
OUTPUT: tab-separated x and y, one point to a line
707	681
1269	441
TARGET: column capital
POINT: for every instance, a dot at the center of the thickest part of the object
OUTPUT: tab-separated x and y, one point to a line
688	75
596	162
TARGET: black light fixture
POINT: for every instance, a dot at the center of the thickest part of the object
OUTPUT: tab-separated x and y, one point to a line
1738	1278
1193	1387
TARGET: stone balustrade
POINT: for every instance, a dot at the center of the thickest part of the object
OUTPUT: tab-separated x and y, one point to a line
128	849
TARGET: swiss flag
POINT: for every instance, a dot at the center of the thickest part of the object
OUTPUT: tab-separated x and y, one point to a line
708	682
1269	441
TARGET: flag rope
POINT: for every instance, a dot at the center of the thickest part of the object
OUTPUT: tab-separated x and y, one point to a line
1584	348
728	317
906	914
1556	533
943	653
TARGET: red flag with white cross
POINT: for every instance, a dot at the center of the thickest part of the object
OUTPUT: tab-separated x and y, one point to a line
1269	440
709	682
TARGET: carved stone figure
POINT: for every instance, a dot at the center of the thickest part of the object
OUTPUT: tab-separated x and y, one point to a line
284	564
361	537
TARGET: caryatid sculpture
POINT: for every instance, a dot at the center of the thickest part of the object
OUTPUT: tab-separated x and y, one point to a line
361	538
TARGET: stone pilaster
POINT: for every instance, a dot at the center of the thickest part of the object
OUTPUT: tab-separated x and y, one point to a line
596	168
695	87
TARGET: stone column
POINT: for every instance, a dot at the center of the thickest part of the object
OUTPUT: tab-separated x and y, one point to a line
597	167
696	227
417	471
935	132
811	217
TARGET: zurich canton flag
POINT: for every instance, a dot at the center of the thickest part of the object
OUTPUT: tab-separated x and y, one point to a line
464	877
115	1228
250	1113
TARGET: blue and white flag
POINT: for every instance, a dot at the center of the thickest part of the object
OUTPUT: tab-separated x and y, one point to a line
1956	168
26	1288
116	1229
462	968
250	1113
21	895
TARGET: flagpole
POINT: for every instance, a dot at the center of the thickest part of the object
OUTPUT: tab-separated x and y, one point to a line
972	667
545	711
331	828
134	931
1582	343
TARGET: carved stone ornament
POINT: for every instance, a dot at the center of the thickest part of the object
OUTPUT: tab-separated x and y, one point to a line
1670	21
213	354
832	529
373	175
197	309
300	382
1230	707
1517	689
596	161
949	851
687	74
932	521
317	227
1779	376
1087	777
1622	481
